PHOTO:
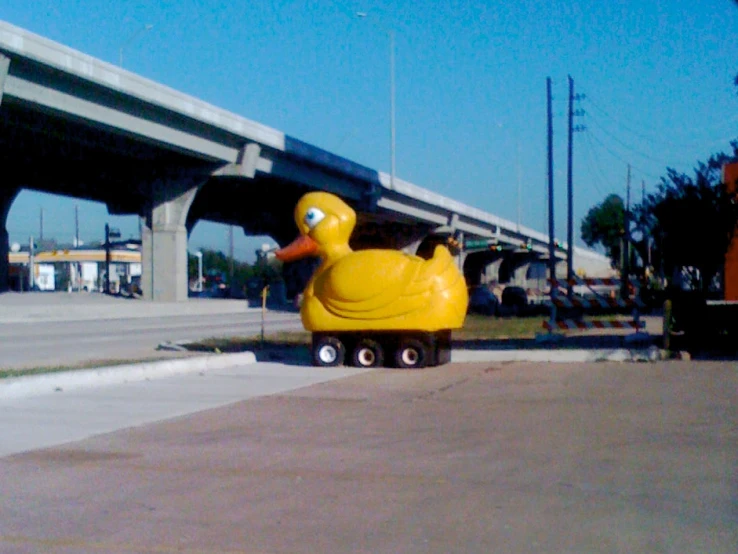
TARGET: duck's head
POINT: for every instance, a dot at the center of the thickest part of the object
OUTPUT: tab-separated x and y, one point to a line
325	223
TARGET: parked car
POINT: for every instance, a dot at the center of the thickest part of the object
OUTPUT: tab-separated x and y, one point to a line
515	300
482	301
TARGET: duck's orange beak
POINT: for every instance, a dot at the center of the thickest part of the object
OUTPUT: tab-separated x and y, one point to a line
301	247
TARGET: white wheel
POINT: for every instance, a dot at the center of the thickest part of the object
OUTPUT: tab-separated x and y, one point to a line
328	351
366	357
327	354
411	354
368	353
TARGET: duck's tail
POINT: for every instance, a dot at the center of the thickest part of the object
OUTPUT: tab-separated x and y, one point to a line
450	296
439	264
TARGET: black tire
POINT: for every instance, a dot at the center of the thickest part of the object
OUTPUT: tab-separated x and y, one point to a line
411	354
328	351
367	353
443	348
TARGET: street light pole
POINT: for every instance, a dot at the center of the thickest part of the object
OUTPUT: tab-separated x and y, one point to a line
392	102
133	37
392	108
199	270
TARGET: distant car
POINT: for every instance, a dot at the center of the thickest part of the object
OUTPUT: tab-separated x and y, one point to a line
482	301
515	299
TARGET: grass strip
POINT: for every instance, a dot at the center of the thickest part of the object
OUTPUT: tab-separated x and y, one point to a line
476	328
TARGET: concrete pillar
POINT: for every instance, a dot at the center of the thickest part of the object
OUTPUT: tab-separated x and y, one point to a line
537	276
491	272
164	239
480	267
516	265
412	247
6	201
519	274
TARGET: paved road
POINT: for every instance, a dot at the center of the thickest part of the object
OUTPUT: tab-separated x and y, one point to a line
474	458
59	329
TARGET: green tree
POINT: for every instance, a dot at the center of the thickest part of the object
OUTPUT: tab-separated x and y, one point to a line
692	219
604	224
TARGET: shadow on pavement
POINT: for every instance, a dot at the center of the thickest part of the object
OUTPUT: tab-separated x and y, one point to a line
293	353
268	351
560	341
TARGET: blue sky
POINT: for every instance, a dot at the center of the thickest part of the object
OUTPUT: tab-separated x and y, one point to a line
470	89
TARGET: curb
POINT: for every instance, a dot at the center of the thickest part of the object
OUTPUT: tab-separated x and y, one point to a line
49	383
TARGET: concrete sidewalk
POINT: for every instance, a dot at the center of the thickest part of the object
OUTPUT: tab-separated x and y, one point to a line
58	408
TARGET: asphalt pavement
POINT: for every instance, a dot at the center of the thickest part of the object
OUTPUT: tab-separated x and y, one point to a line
89	306
475	458
53	330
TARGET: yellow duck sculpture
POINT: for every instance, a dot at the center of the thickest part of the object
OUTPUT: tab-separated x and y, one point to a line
370	290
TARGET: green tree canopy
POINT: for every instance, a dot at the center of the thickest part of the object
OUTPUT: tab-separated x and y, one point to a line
604	224
691	219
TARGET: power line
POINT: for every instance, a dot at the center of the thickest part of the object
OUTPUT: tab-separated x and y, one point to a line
658	138
627	147
589	151
617	157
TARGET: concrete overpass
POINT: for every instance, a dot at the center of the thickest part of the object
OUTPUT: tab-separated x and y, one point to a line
75	125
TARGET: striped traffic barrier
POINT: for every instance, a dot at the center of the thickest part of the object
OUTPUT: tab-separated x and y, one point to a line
597	324
560	299
588	281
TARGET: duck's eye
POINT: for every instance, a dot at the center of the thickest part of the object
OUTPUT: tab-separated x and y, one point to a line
313	217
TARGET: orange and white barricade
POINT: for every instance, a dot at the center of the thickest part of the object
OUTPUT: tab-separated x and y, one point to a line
602	295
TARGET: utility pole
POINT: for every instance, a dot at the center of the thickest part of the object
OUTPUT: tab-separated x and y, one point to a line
569	182
31	265
41	225
115	234
77	265
76	225
520	179
646	238
107	259
570	197
626	242
551	251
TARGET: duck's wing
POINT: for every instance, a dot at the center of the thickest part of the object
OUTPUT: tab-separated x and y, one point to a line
372	284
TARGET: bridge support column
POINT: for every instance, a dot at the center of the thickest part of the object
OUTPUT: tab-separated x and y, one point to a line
164	240
519	274
412	247
491	272
6	201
